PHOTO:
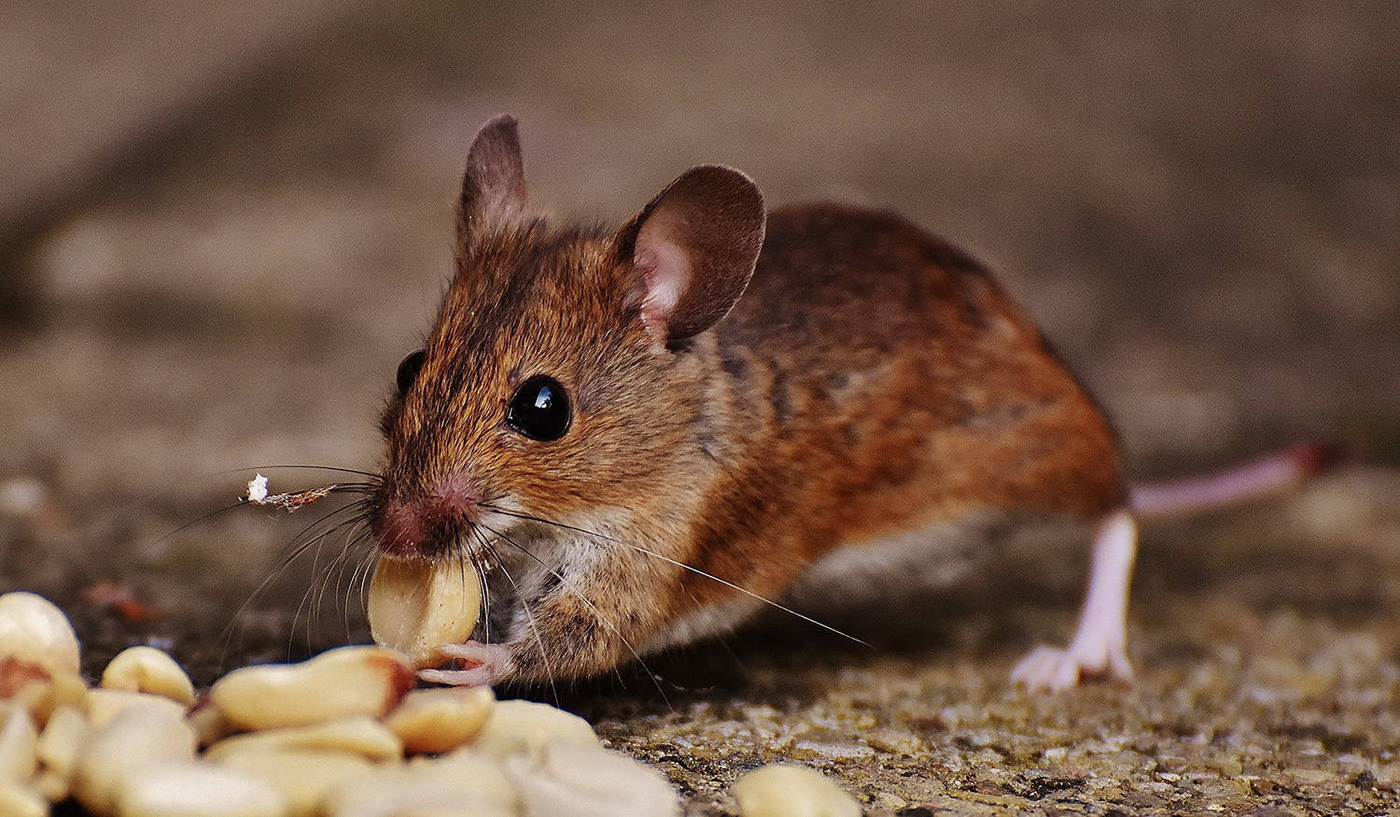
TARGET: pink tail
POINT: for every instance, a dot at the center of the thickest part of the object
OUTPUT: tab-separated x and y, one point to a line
1263	477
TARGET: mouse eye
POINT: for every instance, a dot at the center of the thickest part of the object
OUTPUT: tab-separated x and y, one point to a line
539	409
408	370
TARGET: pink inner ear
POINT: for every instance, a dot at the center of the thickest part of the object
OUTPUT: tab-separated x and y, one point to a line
664	266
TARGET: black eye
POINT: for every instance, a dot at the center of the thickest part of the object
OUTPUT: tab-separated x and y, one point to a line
408	370
539	409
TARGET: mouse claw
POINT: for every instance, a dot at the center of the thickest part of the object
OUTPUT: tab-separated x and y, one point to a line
488	665
1050	669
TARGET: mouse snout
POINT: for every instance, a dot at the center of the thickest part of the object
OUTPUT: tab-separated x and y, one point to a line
429	524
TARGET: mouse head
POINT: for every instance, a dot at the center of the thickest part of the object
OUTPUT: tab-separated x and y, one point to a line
561	379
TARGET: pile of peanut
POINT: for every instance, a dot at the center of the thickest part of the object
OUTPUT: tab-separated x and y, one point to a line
345	734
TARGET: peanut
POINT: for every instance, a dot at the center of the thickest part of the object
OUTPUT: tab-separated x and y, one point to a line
37	687
516	727
146	669
19	741
416	606
20	801
338	683
439	720
52	786
356	735
103	705
33	629
208	722
467	784
188	789
302	777
58	748
588	781
792	791
135	739
128	748
483	772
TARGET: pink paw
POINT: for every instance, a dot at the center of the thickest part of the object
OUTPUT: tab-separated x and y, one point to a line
487	665
1050	669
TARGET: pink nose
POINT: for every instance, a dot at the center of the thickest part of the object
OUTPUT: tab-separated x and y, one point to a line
420	526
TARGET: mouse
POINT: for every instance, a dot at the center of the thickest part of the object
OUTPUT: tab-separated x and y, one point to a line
642	434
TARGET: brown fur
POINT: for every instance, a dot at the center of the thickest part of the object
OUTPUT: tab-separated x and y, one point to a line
871	380
881	381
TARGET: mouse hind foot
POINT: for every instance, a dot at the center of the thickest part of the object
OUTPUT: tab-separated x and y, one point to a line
1053	669
1099	647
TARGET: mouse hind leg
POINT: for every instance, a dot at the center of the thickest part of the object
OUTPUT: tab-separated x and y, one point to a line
1099	647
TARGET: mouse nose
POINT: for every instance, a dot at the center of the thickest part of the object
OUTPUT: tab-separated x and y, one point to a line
427	525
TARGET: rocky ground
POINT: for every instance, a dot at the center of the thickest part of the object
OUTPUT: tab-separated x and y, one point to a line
220	230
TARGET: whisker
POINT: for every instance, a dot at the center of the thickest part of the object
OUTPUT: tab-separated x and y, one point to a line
599	613
518	515
373	477
534	630
358	505
482	587
697	571
290	554
337	567
356	535
351	488
466	555
145	551
294	550
367	563
310	594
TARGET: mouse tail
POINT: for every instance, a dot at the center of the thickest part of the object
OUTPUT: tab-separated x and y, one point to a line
1266	476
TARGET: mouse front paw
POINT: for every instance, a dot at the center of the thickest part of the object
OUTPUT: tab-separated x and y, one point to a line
1051	669
480	665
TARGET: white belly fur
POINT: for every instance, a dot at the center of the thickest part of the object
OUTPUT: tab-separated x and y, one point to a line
851	577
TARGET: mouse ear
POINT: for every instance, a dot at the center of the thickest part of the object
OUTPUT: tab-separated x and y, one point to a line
695	246
493	189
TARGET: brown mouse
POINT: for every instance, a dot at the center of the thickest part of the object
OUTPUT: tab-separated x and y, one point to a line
641	434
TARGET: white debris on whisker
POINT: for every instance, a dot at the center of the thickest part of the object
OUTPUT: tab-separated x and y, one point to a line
258	495
257	489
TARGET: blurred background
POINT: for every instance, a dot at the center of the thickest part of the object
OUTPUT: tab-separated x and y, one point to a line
223	224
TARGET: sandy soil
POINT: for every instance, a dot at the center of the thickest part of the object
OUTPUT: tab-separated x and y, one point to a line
1198	205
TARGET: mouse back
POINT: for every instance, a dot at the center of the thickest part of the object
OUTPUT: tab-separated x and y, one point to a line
888	383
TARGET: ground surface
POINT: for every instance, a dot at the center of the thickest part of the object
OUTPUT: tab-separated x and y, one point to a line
224	227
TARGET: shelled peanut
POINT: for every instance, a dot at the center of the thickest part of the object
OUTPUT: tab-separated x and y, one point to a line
415	606
780	790
343	734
